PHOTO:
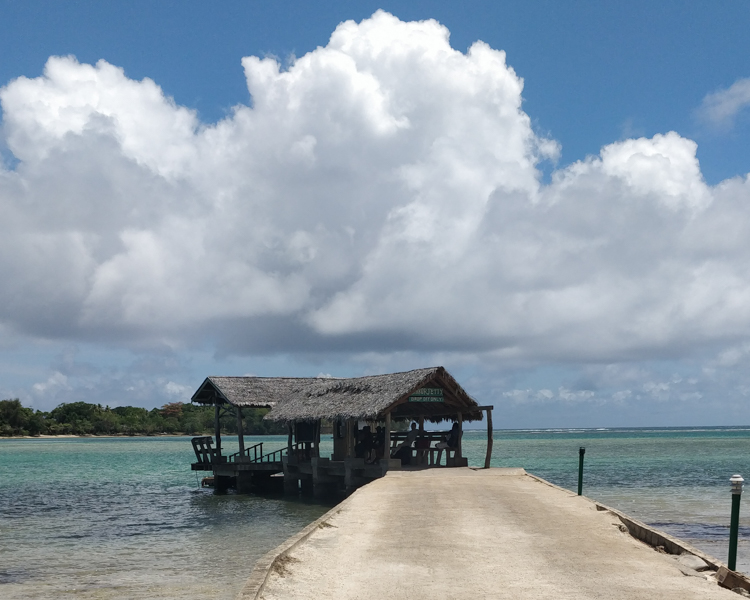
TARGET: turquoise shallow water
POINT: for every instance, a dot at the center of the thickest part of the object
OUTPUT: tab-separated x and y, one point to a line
125	518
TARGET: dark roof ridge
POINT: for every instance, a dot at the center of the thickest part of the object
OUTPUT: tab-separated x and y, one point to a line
324	378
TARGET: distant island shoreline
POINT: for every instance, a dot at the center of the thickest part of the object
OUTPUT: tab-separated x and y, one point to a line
82	419
47	436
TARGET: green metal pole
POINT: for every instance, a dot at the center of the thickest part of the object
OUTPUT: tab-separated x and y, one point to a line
734	524
581	452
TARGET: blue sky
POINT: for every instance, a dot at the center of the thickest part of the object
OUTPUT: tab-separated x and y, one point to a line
594	72
637	317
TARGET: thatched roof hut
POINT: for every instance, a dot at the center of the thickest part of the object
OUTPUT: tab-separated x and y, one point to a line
432	393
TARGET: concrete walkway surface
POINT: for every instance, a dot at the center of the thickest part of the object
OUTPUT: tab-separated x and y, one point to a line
449	534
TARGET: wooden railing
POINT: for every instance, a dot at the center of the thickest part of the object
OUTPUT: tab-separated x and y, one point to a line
254	454
271	456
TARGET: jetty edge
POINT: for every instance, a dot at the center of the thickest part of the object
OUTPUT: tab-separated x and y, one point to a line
403	535
662	541
266	563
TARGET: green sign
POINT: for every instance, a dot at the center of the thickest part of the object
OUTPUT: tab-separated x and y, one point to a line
427	395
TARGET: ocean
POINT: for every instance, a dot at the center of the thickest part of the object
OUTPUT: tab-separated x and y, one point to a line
126	518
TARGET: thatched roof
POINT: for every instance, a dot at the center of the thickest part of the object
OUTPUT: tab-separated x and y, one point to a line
251	392
312	398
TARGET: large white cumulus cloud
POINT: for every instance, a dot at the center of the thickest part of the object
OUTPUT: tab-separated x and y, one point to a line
380	193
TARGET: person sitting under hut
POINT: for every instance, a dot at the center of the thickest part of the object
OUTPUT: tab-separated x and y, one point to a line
422	443
403	450
363	448
379	442
449	442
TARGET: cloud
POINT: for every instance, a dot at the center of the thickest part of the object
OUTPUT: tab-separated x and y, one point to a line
545	396
722	107
178	391
382	194
119	377
55	385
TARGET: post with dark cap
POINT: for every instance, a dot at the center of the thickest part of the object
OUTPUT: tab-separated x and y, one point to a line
734	524
581	452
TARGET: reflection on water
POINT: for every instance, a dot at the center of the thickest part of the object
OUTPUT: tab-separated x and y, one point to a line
125	517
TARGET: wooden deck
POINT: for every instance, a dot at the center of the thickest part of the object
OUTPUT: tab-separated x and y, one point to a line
297	469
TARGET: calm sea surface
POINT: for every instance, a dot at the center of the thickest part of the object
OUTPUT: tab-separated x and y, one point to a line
125	517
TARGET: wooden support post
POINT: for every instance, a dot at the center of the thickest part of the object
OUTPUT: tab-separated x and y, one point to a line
460	434
387	436
351	427
217	429
488	457
421	424
240	434
289	439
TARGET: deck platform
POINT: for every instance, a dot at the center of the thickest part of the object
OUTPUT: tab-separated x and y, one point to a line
253	470
441	534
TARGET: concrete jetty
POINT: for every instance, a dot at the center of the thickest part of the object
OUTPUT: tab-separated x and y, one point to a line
444	534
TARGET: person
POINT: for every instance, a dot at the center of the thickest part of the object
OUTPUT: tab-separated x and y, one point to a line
422	443
363	447
379	442
403	451
449	442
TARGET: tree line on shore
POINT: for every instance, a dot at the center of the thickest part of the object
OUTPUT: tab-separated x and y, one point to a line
82	418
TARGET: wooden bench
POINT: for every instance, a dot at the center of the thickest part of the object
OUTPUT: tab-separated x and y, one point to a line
425	456
205	454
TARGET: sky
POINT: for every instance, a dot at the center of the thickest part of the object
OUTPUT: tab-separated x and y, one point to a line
549	199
